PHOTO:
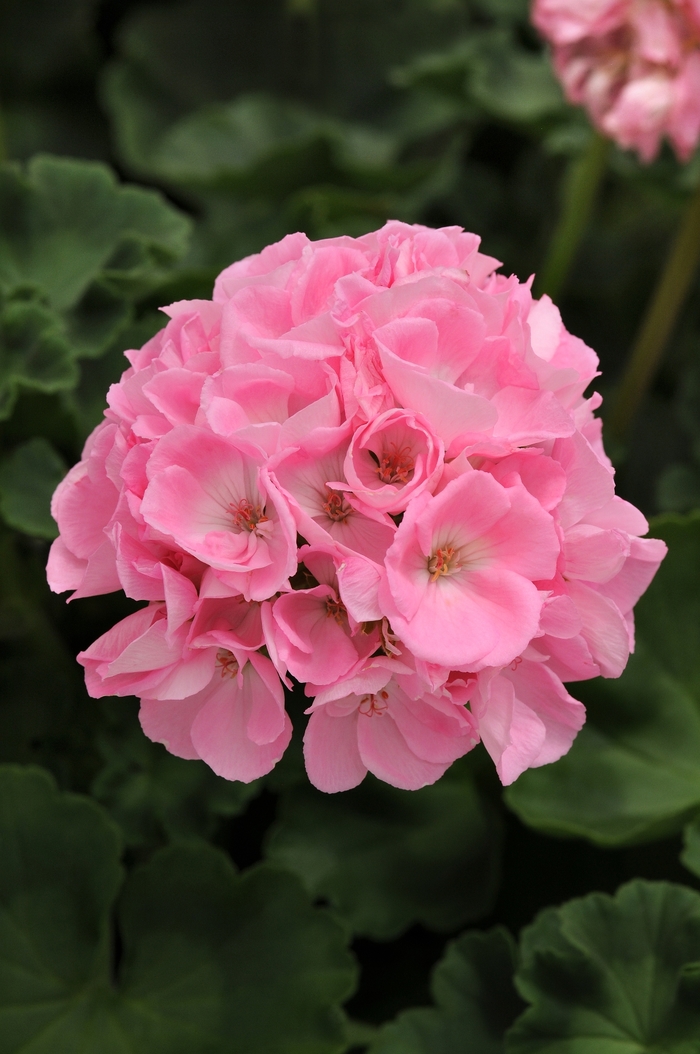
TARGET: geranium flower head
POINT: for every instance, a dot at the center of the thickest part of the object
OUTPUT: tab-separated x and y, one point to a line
368	464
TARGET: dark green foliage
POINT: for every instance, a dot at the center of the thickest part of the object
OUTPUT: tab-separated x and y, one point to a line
154	796
691	853
28	478
66	225
386	859
475	1002
75	251
212	962
612	975
245	121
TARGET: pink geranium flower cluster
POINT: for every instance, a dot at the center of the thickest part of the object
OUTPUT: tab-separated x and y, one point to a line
367	464
634	65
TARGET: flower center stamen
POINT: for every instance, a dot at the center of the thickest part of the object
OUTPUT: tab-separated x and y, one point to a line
335	609
396	466
443	562
336	507
374	704
246	516
227	663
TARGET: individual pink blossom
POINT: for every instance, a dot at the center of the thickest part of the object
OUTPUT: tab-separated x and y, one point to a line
459	588
311	480
392	459
525	717
316	638
83	558
207	494
634	65
222	704
369	464
236	723
370	723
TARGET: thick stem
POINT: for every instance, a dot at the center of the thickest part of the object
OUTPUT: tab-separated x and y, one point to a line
579	193
659	320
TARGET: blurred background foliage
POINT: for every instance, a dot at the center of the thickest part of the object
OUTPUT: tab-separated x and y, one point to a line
146	146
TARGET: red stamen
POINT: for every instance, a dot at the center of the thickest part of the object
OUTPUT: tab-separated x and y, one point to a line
336	508
374	704
396	465
336	609
227	662
442	563
247	516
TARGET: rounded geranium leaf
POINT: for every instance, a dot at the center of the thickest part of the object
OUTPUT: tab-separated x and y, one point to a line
67	223
209	962
387	858
28	478
472	987
612	975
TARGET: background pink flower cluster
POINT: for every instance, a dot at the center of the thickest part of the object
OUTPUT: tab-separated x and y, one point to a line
634	65
367	464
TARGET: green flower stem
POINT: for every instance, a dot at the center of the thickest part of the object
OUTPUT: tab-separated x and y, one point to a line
579	193
659	320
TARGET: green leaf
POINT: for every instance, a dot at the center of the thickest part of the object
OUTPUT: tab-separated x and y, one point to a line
34	353
691	846
88	400
45	716
237	144
633	773
264	147
99	317
512	83
475	1002
203	51
612	975
212	963
386	858
154	796
66	223
28	478
491	69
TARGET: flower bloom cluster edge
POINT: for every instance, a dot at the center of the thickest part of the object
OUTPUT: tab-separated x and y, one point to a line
368	464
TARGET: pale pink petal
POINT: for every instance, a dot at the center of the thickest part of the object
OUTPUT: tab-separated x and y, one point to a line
169	722
604	628
331	754
387	755
220	731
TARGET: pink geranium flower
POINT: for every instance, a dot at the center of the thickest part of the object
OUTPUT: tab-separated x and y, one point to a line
370	723
368	464
634	65
392	459
459	588
207	494
314	635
